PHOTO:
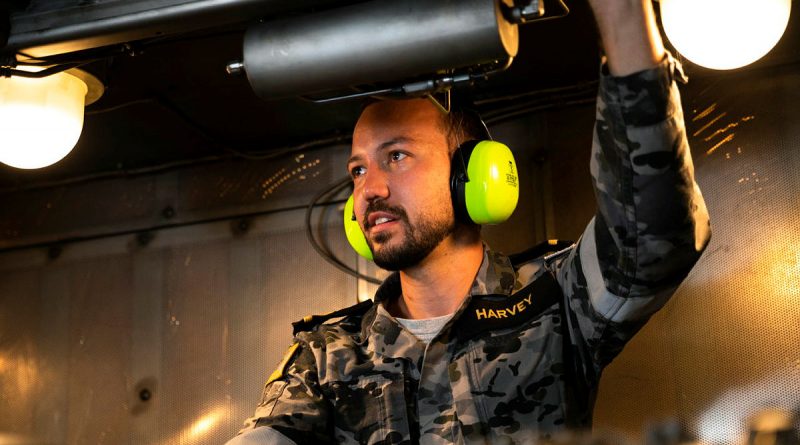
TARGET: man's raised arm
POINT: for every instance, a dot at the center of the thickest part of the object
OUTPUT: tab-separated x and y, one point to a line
651	225
630	35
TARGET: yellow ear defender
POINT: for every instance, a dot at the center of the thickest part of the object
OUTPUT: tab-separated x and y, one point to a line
484	182
353	231
484	186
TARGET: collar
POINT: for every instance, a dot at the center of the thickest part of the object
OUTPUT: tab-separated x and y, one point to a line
495	276
498	299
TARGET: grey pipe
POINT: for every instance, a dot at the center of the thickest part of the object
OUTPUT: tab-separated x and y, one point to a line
374	41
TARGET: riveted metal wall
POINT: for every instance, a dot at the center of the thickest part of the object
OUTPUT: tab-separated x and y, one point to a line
169	344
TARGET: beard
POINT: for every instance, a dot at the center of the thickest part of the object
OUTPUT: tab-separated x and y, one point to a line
419	242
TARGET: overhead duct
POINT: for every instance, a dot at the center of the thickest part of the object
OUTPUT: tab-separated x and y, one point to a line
375	41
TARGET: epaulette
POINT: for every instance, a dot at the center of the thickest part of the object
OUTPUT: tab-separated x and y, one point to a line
310	322
549	250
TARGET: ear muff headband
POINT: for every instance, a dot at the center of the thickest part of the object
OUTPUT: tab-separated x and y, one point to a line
484	182
353	231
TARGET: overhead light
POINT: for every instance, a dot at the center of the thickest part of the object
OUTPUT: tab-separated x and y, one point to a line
41	118
724	34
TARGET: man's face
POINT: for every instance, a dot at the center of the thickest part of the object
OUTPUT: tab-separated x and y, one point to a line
400	164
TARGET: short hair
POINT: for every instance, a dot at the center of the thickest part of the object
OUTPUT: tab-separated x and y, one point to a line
464	124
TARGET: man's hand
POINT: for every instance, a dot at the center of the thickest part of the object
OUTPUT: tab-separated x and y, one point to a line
630	35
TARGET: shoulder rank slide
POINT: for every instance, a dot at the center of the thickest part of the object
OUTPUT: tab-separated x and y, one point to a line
280	371
548	250
311	321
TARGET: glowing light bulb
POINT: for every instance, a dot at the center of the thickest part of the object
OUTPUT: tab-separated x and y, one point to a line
724	34
41	119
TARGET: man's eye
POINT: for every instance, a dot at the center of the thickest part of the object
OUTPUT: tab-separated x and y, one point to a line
397	156
357	171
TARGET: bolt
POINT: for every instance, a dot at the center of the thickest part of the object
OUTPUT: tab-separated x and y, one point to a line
145	395
240	227
168	212
235	68
144	238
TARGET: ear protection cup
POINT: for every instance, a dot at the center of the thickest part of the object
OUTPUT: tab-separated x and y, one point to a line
484	182
484	186
353	231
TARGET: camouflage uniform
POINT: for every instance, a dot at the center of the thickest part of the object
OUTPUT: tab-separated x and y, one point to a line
365	379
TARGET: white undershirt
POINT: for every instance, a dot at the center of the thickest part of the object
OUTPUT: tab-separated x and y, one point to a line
425	328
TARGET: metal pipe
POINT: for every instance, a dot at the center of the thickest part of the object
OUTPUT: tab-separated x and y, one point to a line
373	42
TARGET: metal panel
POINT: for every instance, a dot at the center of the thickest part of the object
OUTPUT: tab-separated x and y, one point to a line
52	415
19	364
198	318
84	211
147	326
99	349
727	344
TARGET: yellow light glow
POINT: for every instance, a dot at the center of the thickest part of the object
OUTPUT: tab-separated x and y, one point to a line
204	424
40	119
784	272
200	430
724	34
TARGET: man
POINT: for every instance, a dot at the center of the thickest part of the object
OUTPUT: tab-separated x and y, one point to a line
416	367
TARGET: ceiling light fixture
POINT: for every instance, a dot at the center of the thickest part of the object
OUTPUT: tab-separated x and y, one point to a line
41	118
724	34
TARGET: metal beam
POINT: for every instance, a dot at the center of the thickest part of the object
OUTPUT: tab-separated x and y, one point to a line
82	26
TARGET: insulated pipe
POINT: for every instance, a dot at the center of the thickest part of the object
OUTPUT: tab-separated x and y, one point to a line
373	42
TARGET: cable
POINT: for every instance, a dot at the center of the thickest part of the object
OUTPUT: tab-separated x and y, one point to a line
580	87
75	239
146	100
9	72
515	109
322	251
253	156
496	119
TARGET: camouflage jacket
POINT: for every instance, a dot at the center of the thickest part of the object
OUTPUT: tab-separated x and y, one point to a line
366	379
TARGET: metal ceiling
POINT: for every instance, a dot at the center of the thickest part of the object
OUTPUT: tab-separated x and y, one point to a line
169	101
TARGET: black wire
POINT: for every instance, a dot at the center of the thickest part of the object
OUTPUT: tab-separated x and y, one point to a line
590	86
76	239
252	156
9	72
496	119
83	56
146	100
323	252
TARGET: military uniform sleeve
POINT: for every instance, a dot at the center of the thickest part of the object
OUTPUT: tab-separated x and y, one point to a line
651	224
260	436
291	405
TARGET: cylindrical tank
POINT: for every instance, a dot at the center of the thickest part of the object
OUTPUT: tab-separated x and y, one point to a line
373	42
